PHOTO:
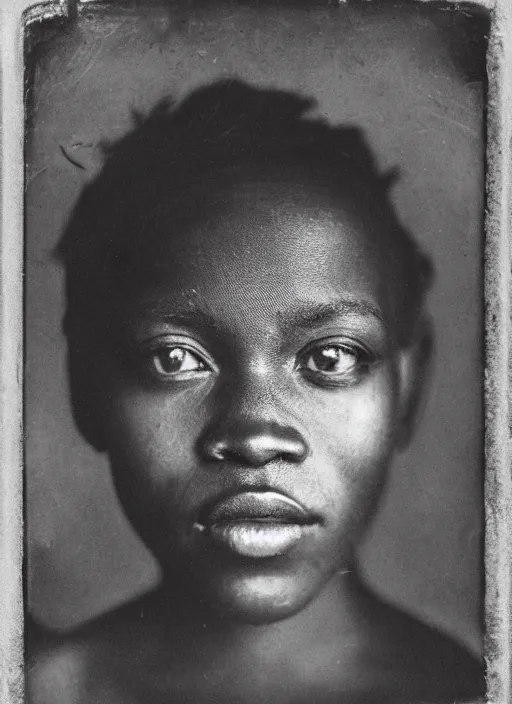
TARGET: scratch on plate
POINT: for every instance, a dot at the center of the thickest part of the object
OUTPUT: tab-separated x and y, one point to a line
70	159
96	51
451	120
32	177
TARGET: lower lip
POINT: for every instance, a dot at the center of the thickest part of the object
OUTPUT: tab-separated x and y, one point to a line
257	539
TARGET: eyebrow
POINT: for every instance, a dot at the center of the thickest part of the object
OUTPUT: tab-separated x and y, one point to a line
188	317
304	314
313	315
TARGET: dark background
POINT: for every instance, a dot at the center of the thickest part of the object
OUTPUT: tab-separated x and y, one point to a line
413	77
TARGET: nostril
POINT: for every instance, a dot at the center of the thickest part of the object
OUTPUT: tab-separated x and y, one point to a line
292	449
216	450
256	444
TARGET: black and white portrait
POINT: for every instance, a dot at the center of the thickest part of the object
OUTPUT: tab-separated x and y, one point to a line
254	353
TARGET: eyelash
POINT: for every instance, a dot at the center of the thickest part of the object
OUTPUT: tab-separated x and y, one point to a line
362	360
153	360
188	354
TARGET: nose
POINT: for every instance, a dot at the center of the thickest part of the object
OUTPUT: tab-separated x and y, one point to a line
255	443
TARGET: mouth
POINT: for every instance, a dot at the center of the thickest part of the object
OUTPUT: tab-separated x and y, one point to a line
256	524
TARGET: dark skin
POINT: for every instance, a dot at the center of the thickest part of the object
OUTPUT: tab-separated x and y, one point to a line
259	350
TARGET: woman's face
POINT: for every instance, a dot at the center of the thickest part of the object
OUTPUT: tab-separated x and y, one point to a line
251	406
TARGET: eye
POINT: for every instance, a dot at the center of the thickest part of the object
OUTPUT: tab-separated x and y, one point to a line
175	362
334	364
331	359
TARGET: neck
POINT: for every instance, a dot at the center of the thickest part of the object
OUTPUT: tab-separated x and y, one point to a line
338	610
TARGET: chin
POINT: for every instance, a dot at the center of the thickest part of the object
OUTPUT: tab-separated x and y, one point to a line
254	594
259	599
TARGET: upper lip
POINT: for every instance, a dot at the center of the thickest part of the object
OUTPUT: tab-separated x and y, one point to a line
269	505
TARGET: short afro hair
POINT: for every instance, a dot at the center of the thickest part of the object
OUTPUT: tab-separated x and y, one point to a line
178	146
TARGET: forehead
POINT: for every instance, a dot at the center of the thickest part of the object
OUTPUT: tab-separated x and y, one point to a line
263	234
247	255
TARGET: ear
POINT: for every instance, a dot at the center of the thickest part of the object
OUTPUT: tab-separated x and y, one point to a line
85	392
415	366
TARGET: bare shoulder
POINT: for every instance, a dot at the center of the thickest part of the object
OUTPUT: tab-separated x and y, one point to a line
80	667
114	660
56	667
421	663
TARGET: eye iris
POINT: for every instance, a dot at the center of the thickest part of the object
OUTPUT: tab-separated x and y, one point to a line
170	360
330	359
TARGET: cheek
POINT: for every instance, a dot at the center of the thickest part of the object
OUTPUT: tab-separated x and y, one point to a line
360	421
359	426
151	436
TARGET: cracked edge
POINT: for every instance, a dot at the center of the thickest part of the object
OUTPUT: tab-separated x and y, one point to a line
498	338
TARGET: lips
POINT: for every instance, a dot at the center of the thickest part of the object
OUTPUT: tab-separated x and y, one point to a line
256	524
